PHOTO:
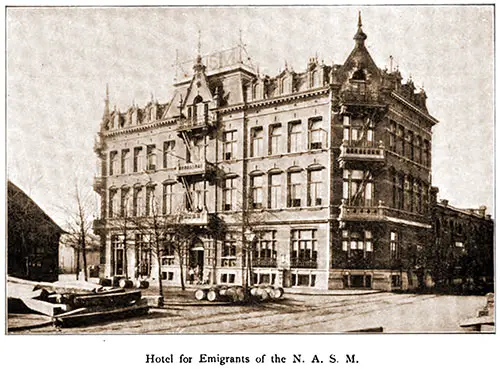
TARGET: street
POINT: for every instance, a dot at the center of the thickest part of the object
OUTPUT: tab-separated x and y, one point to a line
295	313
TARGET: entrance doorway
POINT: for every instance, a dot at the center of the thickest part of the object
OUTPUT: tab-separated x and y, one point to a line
196	262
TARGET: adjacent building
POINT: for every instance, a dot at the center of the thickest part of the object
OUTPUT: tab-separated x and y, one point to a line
322	178
33	239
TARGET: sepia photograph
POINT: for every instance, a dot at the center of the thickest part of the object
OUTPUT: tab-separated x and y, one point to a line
249	170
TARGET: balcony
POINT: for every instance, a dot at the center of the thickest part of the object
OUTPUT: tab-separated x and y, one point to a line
99	184
264	262
354	152
192	218
380	213
196	124
303	263
195	169
361	98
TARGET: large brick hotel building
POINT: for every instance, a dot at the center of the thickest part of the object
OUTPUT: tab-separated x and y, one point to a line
328	170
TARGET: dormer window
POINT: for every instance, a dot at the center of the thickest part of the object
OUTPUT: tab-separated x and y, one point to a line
359	75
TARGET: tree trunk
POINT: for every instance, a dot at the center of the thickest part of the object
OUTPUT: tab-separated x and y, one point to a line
77	250
160	280
84	256
181	264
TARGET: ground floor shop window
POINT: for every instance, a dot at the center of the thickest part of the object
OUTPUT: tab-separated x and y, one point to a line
357	281
169	276
303	280
228	258
264	278
142	255
396	280
227	278
118	255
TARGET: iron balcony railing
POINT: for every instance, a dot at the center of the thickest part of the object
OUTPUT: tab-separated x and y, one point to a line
303	263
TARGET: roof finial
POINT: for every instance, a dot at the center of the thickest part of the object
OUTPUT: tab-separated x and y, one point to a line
106	103
199	42
360	36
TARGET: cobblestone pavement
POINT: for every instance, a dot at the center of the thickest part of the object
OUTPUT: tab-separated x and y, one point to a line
293	314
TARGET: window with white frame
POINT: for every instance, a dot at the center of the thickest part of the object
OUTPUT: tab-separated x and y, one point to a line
138	159
230	145
150	201
304	252
118	252
229	194
257	142
113	163
265	252
168	198
394	245
256	187
352	240
315	188
275	133
125	161
294	136
169	160
358	187
143	255
295	186
316	133
274	200
228	258
151	157
125	202
138	202
167	251
114	205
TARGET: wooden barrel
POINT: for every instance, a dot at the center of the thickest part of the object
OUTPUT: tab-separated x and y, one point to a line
278	292
212	295
223	290
125	283
270	292
254	291
200	294
263	295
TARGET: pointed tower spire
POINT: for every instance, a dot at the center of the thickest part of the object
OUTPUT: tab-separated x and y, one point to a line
360	36
106	104
198	66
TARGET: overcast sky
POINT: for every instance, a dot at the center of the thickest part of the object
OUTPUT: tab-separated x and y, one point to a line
59	61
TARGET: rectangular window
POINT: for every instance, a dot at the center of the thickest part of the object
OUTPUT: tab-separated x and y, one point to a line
275	132
357	243
418	149
294	136
150	201
274	191
396	281
394	245
410	145
230	145
358	187
265	253
118	255
138	161
125	162
392	136
151	157
304	252
138	202
316	133
169	160
114	204
256	189
168	198
228	258
257	142
167	251
229	194
315	188
142	255
125	203
294	189
400	143
113	163
427	154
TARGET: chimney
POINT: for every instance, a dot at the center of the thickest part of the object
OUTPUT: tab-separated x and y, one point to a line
482	211
444	202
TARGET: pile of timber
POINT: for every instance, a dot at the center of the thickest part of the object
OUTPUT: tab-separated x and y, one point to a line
76	303
238	294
